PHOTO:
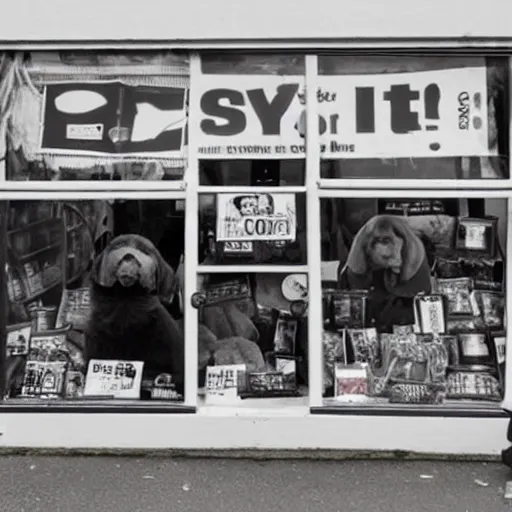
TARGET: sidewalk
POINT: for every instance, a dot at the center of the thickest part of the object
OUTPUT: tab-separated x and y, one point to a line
122	484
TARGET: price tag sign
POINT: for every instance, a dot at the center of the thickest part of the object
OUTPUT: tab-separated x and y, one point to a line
222	383
113	378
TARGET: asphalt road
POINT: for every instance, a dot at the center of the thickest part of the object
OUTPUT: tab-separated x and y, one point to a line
82	484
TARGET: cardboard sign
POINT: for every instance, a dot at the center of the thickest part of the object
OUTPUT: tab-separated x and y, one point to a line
246	217
18	339
223	383
435	113
114	119
113	378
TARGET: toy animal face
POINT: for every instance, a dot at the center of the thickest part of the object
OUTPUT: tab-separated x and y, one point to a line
384	248
128	271
132	259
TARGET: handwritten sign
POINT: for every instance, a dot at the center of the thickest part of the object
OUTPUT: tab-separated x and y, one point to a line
246	217
113	378
223	383
411	114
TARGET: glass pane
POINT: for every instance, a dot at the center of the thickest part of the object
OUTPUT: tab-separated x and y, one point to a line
242	229
94	294
250	107
95	115
414	301
405	116
252	340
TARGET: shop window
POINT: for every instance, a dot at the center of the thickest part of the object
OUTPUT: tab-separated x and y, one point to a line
410	117
413	301
252	312
94	302
94	116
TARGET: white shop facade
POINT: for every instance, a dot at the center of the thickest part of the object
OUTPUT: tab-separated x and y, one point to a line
285	232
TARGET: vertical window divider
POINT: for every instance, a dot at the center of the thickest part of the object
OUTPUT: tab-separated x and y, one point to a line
507	398
191	177
315	313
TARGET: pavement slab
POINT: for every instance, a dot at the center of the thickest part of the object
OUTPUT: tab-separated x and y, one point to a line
126	484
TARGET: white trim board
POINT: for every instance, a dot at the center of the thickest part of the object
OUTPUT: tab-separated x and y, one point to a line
297	430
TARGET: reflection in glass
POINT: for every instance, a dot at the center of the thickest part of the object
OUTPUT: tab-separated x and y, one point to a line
94	299
413	300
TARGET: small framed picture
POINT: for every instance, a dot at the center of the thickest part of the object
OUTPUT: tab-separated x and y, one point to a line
349	309
477	235
18	339
430	312
474	348
458	293
285	336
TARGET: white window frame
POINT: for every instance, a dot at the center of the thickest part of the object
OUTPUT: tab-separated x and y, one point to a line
315	189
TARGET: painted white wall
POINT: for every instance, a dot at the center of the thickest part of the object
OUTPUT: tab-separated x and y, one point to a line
292	431
175	20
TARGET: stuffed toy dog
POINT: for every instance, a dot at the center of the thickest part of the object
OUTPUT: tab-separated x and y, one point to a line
389	259
130	283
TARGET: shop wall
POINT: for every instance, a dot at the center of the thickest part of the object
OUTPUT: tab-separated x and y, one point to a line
322	23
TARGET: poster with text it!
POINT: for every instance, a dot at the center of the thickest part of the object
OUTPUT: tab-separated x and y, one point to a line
438	113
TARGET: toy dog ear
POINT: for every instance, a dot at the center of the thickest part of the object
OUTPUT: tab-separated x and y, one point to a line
165	282
413	252
100	273
357	260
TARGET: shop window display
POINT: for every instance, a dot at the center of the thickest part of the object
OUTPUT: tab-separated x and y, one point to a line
248	325
94	116
429	117
414	301
94	300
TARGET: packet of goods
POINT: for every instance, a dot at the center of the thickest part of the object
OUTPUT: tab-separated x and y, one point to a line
351	380
458	292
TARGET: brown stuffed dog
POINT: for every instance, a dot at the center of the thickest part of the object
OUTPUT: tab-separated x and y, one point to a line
130	282
388	259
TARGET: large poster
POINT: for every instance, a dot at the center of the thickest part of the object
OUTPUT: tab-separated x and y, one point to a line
412	114
111	118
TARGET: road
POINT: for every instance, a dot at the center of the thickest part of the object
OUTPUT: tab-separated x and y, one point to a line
123	484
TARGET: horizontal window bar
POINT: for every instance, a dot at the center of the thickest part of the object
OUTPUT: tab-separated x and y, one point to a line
387	183
76	195
252	269
250	190
411	193
107	186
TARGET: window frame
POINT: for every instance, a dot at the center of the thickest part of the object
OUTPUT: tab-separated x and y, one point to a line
315	188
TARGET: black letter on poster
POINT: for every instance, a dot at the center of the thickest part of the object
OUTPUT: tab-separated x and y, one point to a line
270	114
365	110
402	119
235	118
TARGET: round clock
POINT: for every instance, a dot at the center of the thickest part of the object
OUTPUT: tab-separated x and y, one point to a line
295	287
